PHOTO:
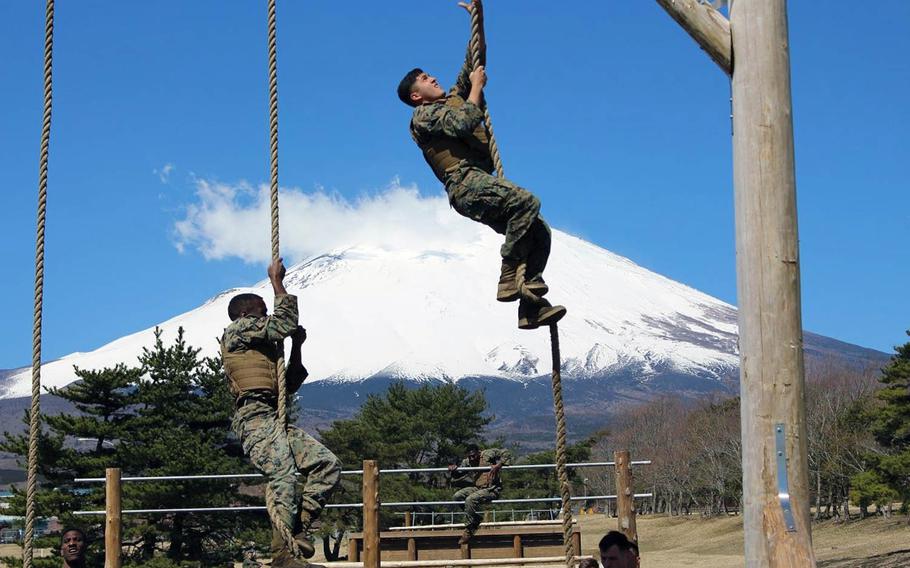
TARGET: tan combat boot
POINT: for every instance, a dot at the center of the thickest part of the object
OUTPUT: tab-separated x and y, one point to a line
532	316
282	557
465	538
533	289
508	285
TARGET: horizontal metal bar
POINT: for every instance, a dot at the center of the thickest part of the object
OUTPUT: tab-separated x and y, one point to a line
356	472
358	505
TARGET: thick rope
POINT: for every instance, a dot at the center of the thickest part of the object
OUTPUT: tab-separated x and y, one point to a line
561	437
277	521
561	434
475	61
35	413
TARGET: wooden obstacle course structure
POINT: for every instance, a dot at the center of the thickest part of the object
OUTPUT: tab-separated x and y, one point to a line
500	543
529	541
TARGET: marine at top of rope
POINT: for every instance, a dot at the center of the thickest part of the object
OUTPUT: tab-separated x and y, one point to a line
453	132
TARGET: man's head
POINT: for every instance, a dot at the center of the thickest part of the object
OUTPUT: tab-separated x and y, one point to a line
72	547
247	305
473	454
616	551
419	87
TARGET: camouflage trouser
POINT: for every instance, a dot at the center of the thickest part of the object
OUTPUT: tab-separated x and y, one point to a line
507	209
473	498
279	454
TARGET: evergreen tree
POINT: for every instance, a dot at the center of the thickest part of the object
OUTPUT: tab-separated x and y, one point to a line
102	399
169	415
889	478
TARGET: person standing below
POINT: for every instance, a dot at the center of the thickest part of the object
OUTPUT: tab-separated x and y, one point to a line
73	548
250	349
449	128
478	487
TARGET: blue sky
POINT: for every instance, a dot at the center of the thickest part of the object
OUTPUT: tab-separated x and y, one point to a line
606	110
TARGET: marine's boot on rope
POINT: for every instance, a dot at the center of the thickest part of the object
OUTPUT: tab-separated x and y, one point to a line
532	315
282	557
512	284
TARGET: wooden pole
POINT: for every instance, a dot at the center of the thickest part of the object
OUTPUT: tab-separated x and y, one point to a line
767	268
370	514
707	26
625	500
112	505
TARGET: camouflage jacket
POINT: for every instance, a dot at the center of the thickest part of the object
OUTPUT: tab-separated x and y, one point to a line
482	479
266	334
457	124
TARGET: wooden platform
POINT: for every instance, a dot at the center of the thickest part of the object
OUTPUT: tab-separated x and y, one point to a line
493	542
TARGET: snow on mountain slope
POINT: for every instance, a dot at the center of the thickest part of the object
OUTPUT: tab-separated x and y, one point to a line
432	314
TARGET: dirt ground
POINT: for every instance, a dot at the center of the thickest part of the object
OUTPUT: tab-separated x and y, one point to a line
718	543
675	542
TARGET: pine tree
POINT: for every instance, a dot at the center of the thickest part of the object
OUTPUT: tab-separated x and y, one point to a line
889	477
181	426
102	399
168	415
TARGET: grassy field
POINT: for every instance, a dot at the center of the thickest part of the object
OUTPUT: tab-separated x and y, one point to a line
669	542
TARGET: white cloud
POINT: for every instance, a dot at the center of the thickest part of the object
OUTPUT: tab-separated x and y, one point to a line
164	174
232	220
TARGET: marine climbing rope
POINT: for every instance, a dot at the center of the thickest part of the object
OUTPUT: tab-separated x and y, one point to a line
279	524
476	10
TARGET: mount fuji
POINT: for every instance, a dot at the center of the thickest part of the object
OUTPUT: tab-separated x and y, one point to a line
428	313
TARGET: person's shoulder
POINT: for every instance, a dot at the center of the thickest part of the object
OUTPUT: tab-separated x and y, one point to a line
237	333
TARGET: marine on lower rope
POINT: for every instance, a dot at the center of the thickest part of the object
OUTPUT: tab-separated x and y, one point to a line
250	348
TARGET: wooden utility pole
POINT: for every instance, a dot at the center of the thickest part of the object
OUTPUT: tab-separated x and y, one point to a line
775	480
625	497
370	514
112	508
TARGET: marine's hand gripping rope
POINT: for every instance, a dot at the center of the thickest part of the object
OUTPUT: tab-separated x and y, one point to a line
276	519
475	10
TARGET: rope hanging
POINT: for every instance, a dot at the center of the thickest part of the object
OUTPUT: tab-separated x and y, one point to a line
277	521
561	430
475	61
561	437
34	426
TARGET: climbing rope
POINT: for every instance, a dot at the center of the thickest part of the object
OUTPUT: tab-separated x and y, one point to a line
561	430
475	61
561	437
277	521
34	425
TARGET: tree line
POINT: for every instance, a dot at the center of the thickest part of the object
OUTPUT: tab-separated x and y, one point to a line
858	438
170	414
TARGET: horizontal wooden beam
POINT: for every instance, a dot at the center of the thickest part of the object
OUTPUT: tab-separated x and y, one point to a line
499	562
708	27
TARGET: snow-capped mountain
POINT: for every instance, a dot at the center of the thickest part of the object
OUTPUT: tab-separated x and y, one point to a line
431	314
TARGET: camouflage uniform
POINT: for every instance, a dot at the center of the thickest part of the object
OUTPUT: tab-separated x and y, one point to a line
455	142
277	452
479	487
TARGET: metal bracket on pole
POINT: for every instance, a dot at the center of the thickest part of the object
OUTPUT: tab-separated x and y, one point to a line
783	487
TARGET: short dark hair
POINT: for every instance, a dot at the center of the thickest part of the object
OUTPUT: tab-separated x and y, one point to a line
472	448
72	529
615	538
242	303
407	85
